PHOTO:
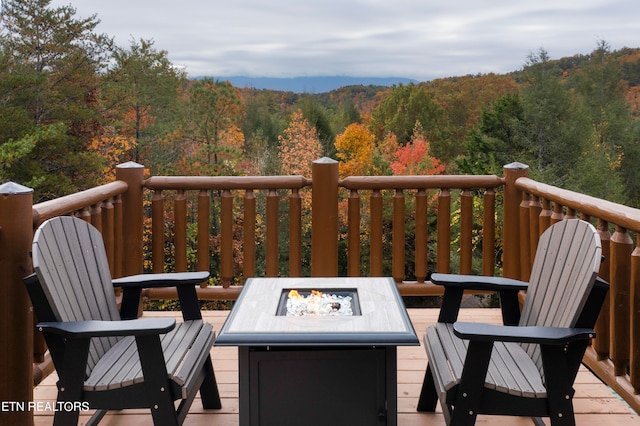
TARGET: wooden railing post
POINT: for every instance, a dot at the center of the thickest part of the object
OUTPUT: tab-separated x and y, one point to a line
133	214
619	295
16	333
324	218
511	220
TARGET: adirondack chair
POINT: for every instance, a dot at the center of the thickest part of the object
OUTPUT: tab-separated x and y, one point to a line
527	366
106	358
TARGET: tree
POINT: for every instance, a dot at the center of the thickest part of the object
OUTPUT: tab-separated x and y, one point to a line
602	90
497	139
142	90
402	108
354	149
212	108
51	66
414	158
299	146
318	117
556	125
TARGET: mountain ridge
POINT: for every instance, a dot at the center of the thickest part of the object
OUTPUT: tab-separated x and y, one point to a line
310	84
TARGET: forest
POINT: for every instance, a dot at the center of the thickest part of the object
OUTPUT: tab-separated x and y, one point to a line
74	105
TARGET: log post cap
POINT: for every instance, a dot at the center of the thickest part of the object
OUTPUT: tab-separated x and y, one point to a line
130	165
325	160
516	166
12	188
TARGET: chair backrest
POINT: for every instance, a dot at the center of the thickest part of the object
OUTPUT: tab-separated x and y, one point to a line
564	270
71	264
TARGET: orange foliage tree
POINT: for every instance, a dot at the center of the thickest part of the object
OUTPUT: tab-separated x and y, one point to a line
414	158
355	147
299	146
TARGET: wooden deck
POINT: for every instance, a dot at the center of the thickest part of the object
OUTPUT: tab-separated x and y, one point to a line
594	403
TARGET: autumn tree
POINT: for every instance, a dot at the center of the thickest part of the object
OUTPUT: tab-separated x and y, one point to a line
354	149
299	146
415	158
50	71
213	111
401	108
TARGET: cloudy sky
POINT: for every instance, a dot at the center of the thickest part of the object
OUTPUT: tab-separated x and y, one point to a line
419	39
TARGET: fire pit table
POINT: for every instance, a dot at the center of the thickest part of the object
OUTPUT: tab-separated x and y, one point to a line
318	359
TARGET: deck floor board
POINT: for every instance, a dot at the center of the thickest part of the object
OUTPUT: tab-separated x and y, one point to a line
595	404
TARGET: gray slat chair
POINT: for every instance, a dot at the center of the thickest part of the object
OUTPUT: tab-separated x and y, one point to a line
108	358
527	366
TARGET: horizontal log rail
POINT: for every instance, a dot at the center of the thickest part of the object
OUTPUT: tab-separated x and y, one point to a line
615	352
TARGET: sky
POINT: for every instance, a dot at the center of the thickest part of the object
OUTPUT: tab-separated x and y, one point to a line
417	39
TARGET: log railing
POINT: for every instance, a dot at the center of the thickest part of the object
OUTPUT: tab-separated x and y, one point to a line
615	353
455	211
419	188
224	191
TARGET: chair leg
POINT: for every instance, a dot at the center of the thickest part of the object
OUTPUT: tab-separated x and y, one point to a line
156	383
428	395
71	380
209	388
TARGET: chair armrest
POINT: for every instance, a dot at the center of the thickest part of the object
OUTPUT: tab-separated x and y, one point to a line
88	329
478	282
183	281
540	335
455	285
161	280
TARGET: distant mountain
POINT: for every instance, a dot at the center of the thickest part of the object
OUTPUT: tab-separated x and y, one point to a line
311	84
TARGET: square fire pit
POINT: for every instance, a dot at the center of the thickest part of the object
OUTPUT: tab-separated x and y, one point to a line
323	366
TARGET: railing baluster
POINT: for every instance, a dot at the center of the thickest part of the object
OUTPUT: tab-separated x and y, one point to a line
545	215
272	234
466	232
601	343
621	248
180	231
422	239
398	234
118	232
85	214
226	237
157	231
634	320
204	216
108	233
96	216
444	231
489	233
249	235
526	260
295	234
375	242
558	213
353	242
535	209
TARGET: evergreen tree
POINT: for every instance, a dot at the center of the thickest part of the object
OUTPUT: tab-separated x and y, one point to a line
556	127
51	64
143	91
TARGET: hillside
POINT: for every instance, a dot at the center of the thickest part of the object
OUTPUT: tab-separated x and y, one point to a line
315	85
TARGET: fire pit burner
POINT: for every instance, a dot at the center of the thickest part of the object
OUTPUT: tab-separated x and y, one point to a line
319	303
